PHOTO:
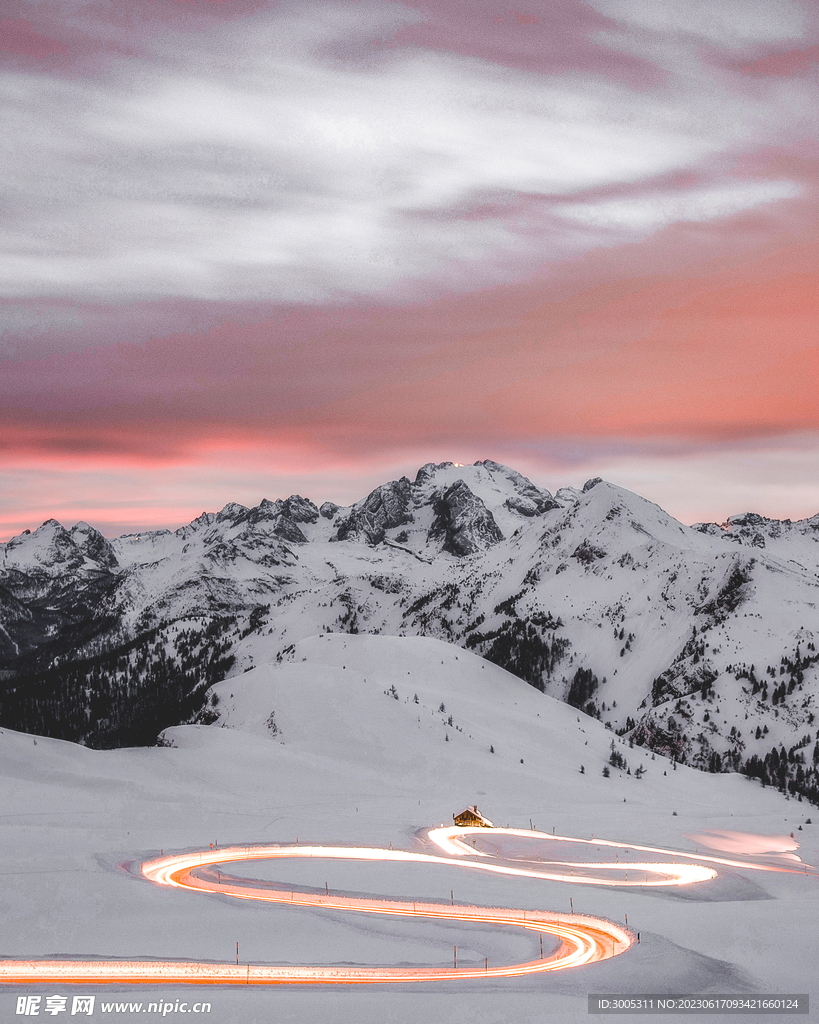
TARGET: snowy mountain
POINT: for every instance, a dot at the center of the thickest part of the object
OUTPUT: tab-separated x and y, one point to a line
698	642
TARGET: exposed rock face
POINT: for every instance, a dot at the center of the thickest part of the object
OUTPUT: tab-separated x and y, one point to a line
387	506
428	471
93	545
300	510
200	523
285	529
463	522
231	513
790	539
709	529
329	509
529	507
281	519
528	500
567	495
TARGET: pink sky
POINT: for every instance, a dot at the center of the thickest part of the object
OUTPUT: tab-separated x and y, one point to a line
251	248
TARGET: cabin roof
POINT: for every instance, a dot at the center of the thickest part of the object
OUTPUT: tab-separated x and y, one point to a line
473	814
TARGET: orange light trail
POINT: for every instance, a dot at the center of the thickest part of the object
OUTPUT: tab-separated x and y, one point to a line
582	939
449	839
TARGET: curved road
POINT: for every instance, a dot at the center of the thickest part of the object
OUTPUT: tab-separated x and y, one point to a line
582	939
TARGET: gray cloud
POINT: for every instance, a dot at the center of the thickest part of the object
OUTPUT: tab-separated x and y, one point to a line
726	23
243	163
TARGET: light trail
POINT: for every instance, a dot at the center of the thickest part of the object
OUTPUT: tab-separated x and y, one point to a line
449	839
582	939
166	869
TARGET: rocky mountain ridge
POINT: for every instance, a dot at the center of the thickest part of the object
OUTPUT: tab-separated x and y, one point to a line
697	641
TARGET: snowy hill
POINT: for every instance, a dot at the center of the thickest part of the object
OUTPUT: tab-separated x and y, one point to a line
699	642
332	748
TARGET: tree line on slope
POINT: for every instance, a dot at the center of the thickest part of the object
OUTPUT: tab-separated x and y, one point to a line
124	697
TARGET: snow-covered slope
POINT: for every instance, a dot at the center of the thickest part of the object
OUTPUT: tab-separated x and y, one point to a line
698	641
332	748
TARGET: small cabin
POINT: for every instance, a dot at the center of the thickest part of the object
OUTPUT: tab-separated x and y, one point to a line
472	817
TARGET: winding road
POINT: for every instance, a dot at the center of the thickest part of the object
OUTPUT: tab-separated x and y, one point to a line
581	939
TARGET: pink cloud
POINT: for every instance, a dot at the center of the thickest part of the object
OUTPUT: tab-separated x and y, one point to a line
471	231
790	63
709	352
19	37
40	45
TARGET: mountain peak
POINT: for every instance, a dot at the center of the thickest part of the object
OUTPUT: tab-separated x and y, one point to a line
50	548
429	470
93	545
387	506
463	522
232	511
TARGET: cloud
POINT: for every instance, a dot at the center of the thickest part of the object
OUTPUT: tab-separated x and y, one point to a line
34	320
248	163
19	37
727	23
650	212
312	239
773	476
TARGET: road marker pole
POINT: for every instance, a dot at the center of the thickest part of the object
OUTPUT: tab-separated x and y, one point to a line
455	956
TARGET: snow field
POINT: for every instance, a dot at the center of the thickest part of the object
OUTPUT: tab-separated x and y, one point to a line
351	764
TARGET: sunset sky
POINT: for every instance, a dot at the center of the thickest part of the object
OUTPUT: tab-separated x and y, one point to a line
257	248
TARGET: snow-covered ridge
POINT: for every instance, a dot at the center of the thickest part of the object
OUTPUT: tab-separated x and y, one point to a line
694	639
